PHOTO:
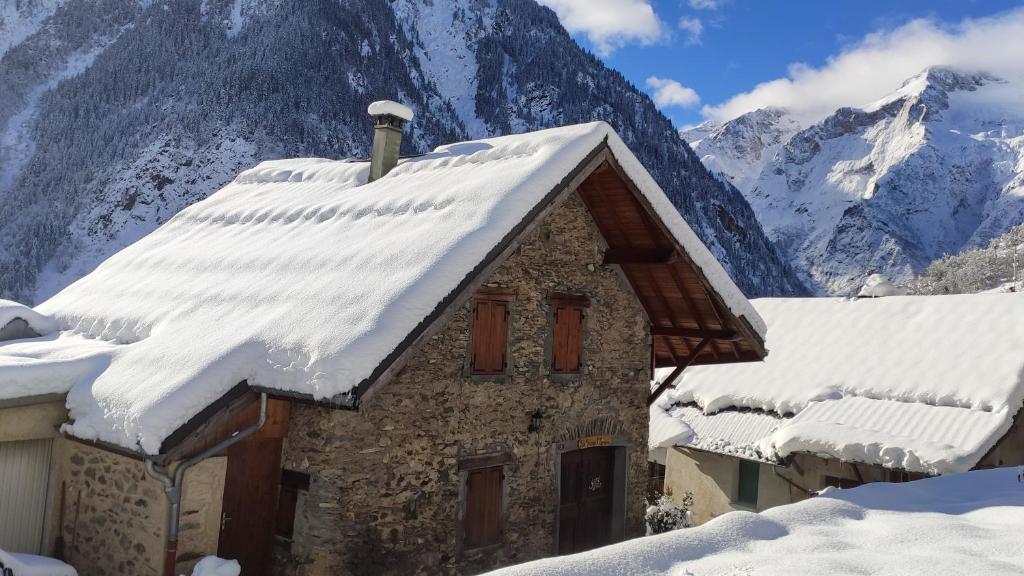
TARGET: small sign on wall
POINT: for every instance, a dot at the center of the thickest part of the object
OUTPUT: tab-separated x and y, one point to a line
594	441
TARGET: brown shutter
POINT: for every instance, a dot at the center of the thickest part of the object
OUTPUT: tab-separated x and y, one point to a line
483	507
567	340
490	337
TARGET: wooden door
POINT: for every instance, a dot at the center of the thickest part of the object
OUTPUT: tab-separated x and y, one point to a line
585	510
251	487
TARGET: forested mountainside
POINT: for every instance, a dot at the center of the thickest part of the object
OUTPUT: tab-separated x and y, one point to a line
118	113
935	168
999	267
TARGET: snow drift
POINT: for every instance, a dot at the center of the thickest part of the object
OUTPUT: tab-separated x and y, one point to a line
962	524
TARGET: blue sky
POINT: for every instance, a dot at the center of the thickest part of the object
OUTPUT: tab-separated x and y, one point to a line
716	49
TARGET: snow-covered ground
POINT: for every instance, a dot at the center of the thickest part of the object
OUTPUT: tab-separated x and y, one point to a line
969	523
12	564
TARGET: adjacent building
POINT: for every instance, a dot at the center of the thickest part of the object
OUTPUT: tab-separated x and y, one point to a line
868	390
431	365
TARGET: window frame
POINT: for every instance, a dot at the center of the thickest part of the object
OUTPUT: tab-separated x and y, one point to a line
468	466
505	298
557	300
292	484
748	464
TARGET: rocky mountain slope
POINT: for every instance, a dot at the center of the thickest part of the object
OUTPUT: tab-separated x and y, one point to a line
115	114
934	168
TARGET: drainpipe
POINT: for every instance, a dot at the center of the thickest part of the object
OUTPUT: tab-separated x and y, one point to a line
172	486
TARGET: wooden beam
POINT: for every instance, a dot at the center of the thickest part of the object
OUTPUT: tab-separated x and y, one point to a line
638	256
670	381
726	335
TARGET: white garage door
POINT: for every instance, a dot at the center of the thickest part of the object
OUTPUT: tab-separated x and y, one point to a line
24	472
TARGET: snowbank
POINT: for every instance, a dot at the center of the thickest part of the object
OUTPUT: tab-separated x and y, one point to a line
923	383
29	565
214	566
39	323
299	276
961	524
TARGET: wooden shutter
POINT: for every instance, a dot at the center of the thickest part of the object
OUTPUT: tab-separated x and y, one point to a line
483	506
749	472
567	341
490	337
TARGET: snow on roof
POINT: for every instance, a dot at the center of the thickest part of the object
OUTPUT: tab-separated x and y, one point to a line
299	276
879	285
924	383
733	432
40	323
907	435
961	524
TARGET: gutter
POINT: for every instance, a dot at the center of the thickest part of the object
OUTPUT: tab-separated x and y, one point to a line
173	485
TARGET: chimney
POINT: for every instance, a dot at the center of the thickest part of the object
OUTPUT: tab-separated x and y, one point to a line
387	135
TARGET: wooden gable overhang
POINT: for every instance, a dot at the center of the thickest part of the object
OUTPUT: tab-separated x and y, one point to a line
690	324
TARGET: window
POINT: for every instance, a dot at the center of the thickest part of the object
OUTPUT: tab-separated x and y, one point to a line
655	480
567	336
747	493
490	332
482	514
288	497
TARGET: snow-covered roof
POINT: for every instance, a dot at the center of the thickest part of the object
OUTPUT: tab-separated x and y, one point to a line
961	524
924	383
39	323
301	277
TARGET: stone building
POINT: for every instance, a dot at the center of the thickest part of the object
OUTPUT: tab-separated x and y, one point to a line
872	390
441	370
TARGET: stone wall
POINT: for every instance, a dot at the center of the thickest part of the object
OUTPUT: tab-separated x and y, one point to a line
31	422
114	515
385	483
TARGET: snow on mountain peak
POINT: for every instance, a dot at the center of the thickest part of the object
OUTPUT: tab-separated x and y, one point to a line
934	84
934	167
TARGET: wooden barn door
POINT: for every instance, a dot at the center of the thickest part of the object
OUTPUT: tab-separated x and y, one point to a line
251	487
587	494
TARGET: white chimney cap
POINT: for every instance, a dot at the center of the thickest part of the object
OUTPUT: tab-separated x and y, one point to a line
381	107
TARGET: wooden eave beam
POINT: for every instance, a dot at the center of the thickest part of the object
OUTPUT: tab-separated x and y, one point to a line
724	335
638	256
670	381
752	337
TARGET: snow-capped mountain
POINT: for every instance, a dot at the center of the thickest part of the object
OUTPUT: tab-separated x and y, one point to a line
935	167
115	114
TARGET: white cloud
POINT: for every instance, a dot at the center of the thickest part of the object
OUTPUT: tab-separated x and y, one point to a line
877	64
706	4
671	94
693	29
610	24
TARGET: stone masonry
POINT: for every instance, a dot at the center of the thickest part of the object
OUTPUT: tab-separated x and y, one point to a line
384	495
114	516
